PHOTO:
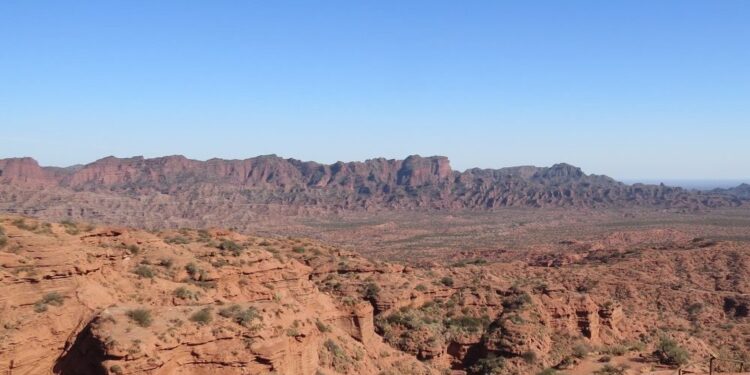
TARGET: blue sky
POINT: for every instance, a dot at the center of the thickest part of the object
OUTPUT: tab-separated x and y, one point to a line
632	89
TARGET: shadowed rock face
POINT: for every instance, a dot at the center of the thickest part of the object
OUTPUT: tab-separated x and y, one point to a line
179	187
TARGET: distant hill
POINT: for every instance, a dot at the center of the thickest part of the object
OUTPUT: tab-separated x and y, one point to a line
136	190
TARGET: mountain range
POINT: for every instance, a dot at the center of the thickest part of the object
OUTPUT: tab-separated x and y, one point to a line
176	188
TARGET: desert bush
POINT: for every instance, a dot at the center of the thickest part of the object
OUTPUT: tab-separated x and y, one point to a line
115	369
242	317
202	316
22	224
491	365
516	299
53	298
420	288
587	285
611	370
529	357
298	249
141	317
616	350
694	310
547	371
322	327
468	324
3	238
371	291
670	353
144	271
191	269
580	350
70	227
340	360
230	246
133	249
177	240
447	281
184	293
166	262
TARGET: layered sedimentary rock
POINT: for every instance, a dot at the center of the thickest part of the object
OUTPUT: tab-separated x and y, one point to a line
229	192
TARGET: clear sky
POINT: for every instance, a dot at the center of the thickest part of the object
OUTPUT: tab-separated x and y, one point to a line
631	89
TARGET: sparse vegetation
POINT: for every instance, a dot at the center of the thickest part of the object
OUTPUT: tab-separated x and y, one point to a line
242	317
492	365
141	317
21	223
322	327
338	357
177	240
670	353
611	370
230	246
581	350
447	281
52	298
298	249
516	299
202	316
3	238
144	271
371	291
71	228
133	249
185	293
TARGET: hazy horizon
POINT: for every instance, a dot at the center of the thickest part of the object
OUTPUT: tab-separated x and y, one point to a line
652	89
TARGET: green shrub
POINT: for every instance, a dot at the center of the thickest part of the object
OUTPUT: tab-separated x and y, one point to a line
616	350
371	291
21	224
192	269
177	240
694	310
144	271
547	371
611	370
184	293
447	281
421	288
133	249
166	262
70	227
231	246
298	249
516	299
491	365
202	316
322	327
529	357
53	298
115	369
340	359
670	353
581	350
242	317
141	317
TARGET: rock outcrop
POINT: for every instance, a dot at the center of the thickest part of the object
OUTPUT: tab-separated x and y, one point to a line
175	191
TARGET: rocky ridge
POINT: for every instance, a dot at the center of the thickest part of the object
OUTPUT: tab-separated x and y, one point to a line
184	192
113	300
